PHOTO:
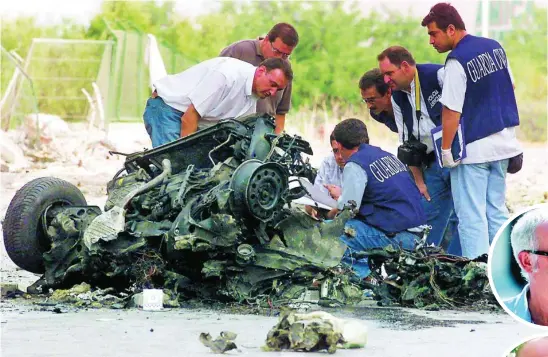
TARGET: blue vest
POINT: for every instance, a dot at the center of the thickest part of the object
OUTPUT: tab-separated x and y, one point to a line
430	91
489	103
391	201
386	119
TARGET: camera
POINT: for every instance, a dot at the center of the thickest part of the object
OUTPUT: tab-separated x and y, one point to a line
412	153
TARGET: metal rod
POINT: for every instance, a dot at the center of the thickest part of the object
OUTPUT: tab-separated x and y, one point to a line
66	41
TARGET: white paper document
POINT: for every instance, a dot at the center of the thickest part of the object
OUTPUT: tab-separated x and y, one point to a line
316	195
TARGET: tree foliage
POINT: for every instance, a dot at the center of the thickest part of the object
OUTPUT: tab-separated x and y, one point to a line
338	43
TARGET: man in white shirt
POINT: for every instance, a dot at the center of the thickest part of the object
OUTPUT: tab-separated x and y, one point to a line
219	88
329	176
477	93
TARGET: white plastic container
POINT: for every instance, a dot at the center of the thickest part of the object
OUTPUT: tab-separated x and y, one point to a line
153	299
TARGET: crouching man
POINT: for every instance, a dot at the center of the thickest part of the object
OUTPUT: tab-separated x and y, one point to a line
390	211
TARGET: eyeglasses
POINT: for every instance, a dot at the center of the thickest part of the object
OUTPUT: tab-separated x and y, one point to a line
277	51
370	100
537	252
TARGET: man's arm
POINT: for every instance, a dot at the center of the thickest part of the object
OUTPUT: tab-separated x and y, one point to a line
450	120
354	183
280	123
189	121
452	98
321	176
282	107
398	118
419	181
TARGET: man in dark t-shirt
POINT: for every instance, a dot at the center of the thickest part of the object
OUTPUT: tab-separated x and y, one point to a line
280	41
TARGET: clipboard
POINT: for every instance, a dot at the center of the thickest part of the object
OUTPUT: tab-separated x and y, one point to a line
458	147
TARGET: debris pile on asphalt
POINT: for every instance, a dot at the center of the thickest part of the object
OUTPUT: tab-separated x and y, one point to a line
315	331
427	278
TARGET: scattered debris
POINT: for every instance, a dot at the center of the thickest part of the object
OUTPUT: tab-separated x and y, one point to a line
223	343
315	331
427	278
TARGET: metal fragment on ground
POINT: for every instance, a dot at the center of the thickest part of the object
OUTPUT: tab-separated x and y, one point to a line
223	343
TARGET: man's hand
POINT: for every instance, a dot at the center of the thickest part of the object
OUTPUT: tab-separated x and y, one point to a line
424	191
331	214
311	211
447	158
334	191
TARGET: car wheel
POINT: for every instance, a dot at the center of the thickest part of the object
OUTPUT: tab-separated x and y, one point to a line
25	238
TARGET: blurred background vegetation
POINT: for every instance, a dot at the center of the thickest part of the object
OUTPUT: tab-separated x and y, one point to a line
338	44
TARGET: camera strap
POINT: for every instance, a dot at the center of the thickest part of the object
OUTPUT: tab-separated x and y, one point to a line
418	102
409	123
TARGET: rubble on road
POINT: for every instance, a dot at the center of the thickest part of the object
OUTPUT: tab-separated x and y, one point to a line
315	331
427	278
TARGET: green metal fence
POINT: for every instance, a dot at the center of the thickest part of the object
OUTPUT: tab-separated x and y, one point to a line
59	69
131	74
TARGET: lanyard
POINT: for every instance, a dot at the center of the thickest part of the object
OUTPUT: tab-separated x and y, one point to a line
418	102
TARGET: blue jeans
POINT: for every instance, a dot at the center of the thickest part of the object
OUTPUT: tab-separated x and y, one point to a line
439	211
162	122
364	237
479	196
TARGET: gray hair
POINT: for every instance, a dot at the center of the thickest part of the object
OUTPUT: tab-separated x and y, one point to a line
523	235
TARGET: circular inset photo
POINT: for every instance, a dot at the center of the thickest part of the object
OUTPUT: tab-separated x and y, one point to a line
518	266
532	347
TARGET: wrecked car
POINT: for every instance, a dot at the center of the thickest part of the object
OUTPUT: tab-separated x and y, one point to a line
208	215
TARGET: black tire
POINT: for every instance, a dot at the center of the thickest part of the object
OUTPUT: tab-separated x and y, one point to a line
24	236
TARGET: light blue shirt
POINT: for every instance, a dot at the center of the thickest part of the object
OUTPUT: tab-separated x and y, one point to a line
519	305
354	182
329	174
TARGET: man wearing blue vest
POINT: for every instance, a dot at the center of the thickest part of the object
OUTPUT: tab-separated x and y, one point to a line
477	93
377	95
416	89
390	212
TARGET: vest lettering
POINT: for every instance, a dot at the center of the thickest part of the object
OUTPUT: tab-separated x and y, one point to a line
375	171
490	103
472	71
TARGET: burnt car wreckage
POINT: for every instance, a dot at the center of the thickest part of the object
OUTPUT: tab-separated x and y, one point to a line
209	216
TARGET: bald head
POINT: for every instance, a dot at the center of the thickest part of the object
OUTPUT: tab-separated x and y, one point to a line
537	347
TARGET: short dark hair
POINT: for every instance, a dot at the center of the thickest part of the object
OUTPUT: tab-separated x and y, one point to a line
332	137
375	78
351	133
396	55
285	32
278	63
444	14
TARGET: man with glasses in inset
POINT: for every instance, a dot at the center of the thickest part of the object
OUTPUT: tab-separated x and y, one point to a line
280	42
377	95
529	241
